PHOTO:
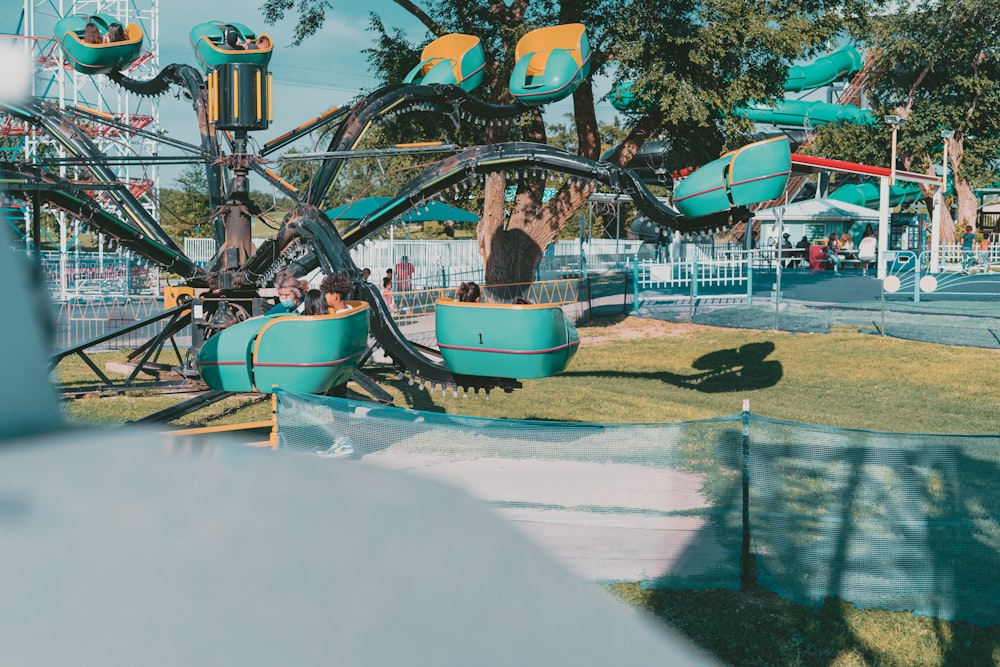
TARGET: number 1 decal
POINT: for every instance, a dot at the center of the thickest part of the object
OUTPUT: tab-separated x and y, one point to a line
480	338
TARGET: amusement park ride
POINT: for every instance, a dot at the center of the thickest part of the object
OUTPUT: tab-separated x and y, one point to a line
236	348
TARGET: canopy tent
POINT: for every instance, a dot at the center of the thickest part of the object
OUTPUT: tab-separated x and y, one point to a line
819	210
434	210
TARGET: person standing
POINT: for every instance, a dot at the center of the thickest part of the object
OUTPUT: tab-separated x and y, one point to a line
404	274
387	294
968	239
984	254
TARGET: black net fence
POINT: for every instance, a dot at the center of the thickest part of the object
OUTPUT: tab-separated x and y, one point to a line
882	520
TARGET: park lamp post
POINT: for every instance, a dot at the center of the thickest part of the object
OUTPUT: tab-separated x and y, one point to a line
939	203
894	121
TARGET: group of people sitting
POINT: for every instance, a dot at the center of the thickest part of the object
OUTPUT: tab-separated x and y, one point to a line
235	43
840	249
92	34
296	299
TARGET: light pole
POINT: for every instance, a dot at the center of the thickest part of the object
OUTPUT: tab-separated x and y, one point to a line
883	200
895	122
939	204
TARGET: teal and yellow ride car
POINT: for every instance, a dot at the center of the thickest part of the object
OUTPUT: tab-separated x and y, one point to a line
524	341
218	43
550	63
99	58
754	173
310	354
452	59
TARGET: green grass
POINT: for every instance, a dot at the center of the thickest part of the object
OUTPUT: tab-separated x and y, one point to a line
629	369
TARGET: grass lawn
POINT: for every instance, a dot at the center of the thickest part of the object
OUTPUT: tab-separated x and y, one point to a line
635	370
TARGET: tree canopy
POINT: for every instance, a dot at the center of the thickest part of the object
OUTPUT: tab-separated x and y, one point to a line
694	63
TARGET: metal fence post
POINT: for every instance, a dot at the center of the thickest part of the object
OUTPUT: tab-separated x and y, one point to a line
746	571
635	283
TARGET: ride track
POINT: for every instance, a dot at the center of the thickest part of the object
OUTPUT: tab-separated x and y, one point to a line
307	238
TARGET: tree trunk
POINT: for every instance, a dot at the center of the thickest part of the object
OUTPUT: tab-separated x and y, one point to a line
968	205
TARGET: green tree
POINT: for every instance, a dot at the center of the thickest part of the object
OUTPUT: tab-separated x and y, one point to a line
696	61
184	209
937	66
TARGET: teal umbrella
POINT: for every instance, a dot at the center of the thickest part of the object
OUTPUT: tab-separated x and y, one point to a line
435	210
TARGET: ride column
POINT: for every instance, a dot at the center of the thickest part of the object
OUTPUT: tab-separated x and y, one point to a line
239	101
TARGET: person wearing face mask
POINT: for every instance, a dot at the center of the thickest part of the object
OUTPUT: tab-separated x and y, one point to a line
291	298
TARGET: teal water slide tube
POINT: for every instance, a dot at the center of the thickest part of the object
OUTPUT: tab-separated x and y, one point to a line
800	113
823	71
867	194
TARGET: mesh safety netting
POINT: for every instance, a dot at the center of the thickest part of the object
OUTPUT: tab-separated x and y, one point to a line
883	520
616	502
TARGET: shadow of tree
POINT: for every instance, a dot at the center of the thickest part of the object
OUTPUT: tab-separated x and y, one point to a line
843	520
730	370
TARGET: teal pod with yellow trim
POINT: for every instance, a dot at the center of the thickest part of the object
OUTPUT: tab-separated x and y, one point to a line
504	340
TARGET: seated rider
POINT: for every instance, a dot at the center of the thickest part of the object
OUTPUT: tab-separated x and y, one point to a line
91	33
315	303
336	288
232	39
116	33
468	292
292	297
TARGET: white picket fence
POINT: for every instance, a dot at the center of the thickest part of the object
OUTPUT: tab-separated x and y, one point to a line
440	263
706	265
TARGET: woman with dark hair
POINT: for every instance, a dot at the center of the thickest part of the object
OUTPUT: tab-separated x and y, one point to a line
468	292
316	303
116	33
91	33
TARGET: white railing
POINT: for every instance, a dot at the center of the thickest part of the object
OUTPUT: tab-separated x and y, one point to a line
698	265
447	262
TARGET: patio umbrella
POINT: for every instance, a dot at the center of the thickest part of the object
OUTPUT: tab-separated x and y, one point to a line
435	211
125	547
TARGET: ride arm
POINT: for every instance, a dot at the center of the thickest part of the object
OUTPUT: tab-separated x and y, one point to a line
62	194
452	99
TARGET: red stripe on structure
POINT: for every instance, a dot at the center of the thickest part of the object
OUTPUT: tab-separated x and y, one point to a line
700	192
311	364
464	348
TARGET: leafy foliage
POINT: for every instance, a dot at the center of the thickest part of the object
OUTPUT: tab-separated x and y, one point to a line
184	211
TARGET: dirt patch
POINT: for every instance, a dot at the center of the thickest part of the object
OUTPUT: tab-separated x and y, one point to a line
630	328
